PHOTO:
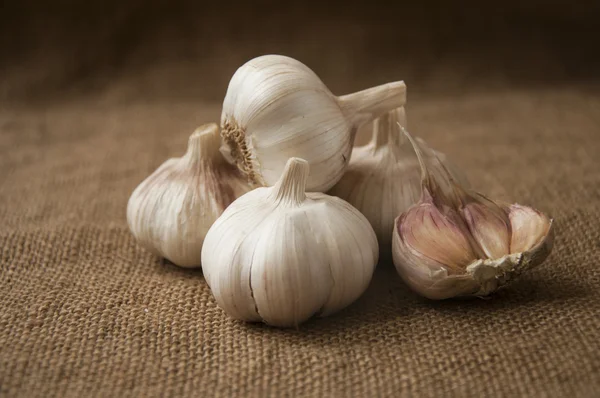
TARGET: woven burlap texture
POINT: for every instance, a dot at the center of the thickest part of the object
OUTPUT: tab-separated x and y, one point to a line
84	311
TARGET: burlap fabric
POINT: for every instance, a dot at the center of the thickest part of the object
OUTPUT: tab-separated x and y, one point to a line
84	311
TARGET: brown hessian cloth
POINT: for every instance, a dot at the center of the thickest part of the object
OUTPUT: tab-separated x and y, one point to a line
85	311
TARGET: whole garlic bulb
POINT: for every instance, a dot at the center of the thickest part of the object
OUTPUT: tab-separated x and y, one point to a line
281	255
276	108
383	178
459	243
171	211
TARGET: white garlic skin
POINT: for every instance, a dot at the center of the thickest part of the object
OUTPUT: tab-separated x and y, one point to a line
280	255
276	108
383	178
170	212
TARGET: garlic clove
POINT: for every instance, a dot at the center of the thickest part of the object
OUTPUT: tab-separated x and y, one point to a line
170	212
489	225
282	255
529	228
289	280
422	273
276	108
229	280
486	246
437	236
533	235
352	263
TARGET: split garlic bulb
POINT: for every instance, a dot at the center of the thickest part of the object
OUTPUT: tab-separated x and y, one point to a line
281	255
277	108
458	243
170	212
383	178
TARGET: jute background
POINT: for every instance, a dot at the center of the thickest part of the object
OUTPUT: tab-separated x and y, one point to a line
94	98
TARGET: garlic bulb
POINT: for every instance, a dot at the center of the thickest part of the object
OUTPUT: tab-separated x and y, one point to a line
383	178
281	255
277	108
458	243
171	211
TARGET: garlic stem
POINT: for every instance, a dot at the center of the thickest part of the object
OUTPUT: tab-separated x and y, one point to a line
368	104
385	131
203	144
291	187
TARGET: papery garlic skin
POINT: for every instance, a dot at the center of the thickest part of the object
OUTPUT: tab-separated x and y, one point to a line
276	108
383	178
280	255
453	244
170	212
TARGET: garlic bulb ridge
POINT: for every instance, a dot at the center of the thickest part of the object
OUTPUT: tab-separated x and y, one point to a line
276	108
281	255
170	212
460	243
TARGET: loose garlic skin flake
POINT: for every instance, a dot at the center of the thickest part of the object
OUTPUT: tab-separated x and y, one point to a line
280	255
170	212
458	243
276	108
